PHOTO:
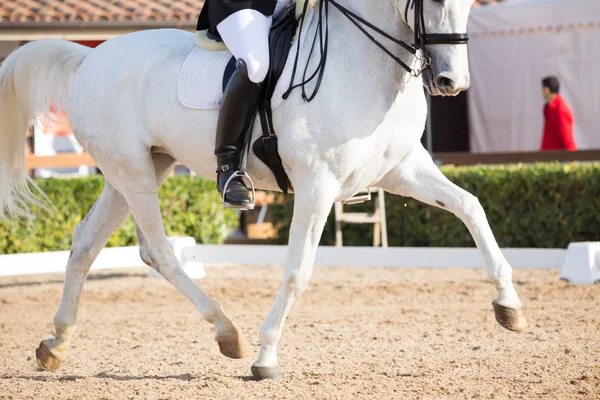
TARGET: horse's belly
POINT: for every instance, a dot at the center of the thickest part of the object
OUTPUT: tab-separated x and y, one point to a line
191	141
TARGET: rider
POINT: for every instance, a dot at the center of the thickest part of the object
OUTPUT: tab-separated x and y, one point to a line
244	26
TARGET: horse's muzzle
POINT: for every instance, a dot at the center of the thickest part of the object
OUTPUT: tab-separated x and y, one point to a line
444	84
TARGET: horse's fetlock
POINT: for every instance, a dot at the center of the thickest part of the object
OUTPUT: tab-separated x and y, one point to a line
214	314
268	336
63	330
502	281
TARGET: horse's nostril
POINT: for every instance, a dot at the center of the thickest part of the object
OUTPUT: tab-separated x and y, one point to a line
443	82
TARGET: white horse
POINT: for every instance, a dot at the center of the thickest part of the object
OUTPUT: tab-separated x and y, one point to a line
362	130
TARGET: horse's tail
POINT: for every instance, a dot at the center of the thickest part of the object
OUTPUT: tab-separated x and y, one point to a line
34	79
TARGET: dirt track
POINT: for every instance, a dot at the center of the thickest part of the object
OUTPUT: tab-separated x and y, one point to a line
355	333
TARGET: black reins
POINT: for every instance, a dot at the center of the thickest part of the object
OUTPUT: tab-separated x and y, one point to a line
421	39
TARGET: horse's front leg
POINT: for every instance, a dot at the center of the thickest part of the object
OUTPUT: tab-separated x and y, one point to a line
418	177
312	205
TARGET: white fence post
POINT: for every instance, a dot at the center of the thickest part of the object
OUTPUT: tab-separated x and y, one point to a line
582	263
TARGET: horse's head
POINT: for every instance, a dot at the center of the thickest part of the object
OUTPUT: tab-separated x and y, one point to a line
440	27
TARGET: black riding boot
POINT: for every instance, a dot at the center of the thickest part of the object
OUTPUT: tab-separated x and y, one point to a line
235	122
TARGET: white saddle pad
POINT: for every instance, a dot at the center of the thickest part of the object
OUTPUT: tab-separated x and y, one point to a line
200	85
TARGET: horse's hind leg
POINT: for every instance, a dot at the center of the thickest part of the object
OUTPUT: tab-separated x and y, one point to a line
163	164
142	197
418	177
106	216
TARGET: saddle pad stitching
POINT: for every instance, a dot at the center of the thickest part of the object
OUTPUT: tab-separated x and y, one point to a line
218	60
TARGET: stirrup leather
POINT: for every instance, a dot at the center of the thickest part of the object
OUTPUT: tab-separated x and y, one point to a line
249	206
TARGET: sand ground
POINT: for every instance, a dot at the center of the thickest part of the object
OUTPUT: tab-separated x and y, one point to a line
355	334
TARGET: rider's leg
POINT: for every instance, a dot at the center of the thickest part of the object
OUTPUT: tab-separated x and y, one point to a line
246	34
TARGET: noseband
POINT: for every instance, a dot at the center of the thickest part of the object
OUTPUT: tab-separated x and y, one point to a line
421	40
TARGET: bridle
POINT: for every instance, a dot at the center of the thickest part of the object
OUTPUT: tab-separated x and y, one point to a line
424	38
421	40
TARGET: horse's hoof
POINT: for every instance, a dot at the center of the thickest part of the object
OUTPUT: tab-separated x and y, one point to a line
512	319
45	359
260	373
233	346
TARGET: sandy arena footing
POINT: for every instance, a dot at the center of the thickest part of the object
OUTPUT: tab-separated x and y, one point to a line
356	333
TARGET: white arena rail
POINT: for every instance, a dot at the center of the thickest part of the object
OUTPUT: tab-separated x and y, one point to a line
580	263
56	261
188	252
426	257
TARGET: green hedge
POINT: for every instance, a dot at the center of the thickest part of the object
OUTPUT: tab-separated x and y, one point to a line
190	207
543	205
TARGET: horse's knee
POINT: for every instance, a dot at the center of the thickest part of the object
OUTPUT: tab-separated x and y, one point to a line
470	208
297	282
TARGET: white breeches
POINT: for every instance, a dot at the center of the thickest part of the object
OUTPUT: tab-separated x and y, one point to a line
246	34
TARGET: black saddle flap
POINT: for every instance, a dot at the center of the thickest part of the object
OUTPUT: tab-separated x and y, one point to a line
280	42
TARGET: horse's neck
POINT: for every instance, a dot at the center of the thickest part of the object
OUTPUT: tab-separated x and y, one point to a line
360	76
383	14
373	64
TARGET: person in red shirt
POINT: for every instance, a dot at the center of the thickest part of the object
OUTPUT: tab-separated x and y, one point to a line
558	126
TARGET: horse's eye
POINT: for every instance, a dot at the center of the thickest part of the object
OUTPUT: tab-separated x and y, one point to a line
439	1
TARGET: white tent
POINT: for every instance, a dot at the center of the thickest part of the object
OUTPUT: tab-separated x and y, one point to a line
513	46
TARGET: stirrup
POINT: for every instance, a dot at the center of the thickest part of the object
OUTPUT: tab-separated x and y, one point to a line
359	198
249	206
